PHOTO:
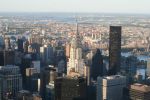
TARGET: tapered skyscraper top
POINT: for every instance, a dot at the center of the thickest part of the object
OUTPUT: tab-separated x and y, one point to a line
75	63
76	41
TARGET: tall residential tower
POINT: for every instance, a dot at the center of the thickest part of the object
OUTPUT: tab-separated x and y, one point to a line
114	50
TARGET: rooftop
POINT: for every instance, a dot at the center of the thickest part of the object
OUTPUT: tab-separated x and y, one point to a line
113	77
140	87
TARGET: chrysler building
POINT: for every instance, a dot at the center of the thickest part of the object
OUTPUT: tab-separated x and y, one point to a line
75	65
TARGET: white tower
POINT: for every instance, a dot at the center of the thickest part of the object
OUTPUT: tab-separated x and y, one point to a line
75	64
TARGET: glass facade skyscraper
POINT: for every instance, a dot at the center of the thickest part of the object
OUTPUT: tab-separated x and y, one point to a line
114	49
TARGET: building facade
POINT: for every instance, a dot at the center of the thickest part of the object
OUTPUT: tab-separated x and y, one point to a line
110	87
76	62
11	81
148	67
114	49
70	88
139	92
97	65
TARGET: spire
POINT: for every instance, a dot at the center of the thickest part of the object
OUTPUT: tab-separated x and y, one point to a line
78	39
77	31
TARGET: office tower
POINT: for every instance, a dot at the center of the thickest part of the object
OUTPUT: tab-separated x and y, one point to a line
110	87
33	47
70	88
1	43
148	67
50	91
30	49
18	58
131	67
44	53
26	63
25	46
139	92
36	57
139	78
24	95
75	64
91	92
31	74
2	58
36	84
36	65
11	81
50	53
87	74
30	71
7	43
89	57
7	57
97	65
60	57
36	38
61	66
114	50
48	75
51	73
20	45
68	50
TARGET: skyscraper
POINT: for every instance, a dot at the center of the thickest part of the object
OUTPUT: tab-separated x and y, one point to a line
25	46
7	43
67	50
25	63
76	62
114	50
36	65
20	45
148	67
97	65
7	57
70	88
48	75
10	81
31	75
110	87
46	53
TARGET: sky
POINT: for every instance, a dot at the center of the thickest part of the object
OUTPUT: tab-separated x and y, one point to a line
104	6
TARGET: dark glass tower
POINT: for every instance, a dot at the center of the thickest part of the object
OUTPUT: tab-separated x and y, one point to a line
70	88
20	45
97	65
114	50
26	44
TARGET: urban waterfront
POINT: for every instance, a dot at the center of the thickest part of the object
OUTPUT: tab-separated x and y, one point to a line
75	50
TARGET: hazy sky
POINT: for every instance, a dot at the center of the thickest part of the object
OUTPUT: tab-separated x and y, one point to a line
123	6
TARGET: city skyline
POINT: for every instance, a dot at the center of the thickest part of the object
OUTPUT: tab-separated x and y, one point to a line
100	6
74	50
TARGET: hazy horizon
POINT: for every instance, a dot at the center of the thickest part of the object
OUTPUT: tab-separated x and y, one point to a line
76	6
